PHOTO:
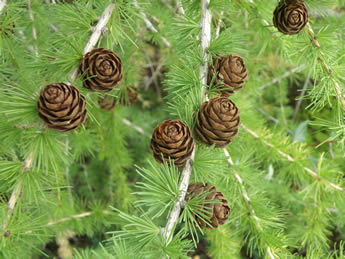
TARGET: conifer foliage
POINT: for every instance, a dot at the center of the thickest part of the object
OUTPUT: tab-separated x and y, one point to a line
172	129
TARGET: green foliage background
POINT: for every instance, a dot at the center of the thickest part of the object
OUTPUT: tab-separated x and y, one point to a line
292	167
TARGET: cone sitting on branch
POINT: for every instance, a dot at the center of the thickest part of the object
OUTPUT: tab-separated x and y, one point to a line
290	16
214	203
173	139
61	107
101	70
230	72
108	103
217	122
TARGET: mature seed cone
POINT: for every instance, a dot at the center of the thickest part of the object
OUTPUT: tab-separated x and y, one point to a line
61	107
101	70
6	29
230	71
215	204
290	16
173	139
107	102
217	121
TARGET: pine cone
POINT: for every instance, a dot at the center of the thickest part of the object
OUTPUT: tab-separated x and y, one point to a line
101	70
132	96
290	16
217	122
230	71
218	211
107	102
61	107
6	29
172	138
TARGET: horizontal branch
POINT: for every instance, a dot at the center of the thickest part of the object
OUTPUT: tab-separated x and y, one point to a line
291	159
149	25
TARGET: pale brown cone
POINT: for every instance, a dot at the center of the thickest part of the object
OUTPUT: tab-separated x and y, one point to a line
173	139
107	102
217	122
61	107
290	16
229	72
101	70
218	211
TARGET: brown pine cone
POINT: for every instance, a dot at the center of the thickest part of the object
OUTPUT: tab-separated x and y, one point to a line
217	122
290	16
61	107
107	102
6	29
101	70
215	204
132	96
173	139
230	71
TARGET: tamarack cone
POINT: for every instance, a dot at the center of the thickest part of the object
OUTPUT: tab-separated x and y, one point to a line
228	71
101	70
217	122
61	107
173	139
215	204
290	16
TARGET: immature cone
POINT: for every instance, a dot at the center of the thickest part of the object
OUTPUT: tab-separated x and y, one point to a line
107	102
61	107
230	71
217	207
217	122
173	139
290	16
101	70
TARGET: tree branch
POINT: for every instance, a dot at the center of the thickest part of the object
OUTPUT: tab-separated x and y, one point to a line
315	175
149	25
187	170
34	33
337	87
102	22
2	4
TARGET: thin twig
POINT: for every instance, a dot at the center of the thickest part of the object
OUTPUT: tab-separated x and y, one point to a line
337	87
179	7
247	199
102	22
137	128
286	74
187	170
300	99
88	182
149	25
2	4
16	193
34	33
219	24
77	216
67	173
314	174
276	121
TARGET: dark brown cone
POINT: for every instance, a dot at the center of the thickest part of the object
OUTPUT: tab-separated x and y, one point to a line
290	16
6	29
217	122
215	204
107	102
173	139
101	70
230	72
61	107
